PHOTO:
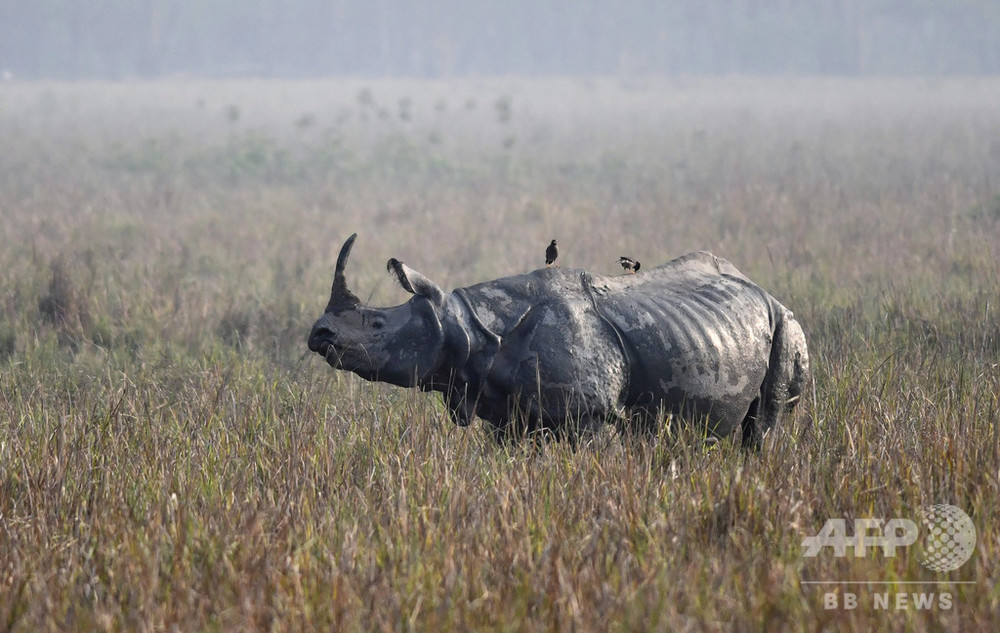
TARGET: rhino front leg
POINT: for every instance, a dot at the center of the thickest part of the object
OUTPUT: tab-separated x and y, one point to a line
460	406
576	430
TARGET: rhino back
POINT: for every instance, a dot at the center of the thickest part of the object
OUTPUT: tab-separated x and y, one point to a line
501	303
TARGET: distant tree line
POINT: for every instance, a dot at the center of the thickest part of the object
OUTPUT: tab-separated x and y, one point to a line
430	38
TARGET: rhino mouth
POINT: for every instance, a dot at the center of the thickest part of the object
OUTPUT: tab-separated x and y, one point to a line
335	357
330	354
338	358
323	345
332	357
326	350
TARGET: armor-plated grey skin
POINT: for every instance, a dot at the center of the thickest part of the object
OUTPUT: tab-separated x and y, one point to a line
568	350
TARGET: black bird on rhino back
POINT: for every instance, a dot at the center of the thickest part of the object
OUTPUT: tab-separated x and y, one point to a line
551	253
568	350
629	265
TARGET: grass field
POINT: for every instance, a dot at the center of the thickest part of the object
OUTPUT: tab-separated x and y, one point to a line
171	458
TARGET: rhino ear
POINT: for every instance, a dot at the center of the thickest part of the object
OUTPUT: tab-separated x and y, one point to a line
413	282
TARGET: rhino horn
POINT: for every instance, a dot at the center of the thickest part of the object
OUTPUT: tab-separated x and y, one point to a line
341	298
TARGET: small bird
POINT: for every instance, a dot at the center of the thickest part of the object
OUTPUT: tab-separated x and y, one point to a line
551	253
630	265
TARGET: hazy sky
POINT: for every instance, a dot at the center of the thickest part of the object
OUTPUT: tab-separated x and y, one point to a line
295	38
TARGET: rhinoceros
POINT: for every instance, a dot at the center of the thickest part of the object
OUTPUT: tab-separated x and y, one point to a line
569	350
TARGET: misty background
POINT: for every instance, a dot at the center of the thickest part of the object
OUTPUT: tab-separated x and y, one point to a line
116	39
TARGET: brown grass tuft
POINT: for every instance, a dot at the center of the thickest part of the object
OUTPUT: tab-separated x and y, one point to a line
64	305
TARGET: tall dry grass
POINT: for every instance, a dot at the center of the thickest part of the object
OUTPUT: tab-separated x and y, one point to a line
170	457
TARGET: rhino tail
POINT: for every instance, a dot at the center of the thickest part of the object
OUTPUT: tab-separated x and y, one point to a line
785	381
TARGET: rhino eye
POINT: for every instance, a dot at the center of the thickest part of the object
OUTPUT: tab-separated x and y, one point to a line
378	323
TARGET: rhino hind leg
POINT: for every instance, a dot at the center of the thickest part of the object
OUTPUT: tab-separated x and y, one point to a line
753	436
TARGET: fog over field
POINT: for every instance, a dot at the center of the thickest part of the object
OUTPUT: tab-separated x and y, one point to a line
446	38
